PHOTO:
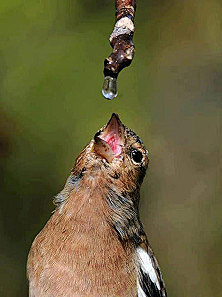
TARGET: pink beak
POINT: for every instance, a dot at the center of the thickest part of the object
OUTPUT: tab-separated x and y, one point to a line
108	144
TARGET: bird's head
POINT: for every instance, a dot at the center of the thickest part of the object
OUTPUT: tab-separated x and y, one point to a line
115	153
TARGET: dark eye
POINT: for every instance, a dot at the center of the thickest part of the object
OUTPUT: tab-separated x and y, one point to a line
137	156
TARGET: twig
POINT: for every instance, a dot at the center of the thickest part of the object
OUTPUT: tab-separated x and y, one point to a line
121	41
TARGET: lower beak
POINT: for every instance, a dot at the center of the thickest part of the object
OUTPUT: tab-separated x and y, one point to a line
110	140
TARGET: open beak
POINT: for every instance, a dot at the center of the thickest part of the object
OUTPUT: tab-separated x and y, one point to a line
109	141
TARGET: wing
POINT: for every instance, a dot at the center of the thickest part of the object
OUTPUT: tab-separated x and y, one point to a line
149	282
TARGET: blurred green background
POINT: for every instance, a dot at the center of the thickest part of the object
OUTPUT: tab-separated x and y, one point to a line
51	63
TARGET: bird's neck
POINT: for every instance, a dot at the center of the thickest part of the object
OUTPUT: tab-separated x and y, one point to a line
105	202
87	242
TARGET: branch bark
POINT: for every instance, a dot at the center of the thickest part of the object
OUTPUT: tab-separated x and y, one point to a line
121	38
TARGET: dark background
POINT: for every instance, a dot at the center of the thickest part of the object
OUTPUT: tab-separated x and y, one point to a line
51	62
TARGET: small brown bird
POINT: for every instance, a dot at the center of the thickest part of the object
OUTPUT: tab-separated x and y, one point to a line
94	244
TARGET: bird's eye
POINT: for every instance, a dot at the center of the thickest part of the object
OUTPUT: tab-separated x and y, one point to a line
137	156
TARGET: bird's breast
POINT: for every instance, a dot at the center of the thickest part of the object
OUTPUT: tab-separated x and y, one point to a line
79	254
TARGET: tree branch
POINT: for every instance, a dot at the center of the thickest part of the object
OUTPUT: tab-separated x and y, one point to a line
121	41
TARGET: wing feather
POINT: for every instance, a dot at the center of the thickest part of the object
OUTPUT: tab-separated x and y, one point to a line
150	282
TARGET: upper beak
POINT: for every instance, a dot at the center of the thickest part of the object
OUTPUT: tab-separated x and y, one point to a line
109	141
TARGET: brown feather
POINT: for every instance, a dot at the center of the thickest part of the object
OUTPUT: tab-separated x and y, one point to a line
88	246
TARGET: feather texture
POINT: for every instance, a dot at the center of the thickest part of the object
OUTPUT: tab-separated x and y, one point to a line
149	282
94	243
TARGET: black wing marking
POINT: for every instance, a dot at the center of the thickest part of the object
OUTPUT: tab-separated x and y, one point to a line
148	287
151	285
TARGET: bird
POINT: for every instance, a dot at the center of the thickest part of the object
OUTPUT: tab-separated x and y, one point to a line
94	244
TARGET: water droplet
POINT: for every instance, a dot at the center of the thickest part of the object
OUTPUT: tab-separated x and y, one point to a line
109	89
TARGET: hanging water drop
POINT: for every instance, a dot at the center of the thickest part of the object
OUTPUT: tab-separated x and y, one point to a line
109	89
